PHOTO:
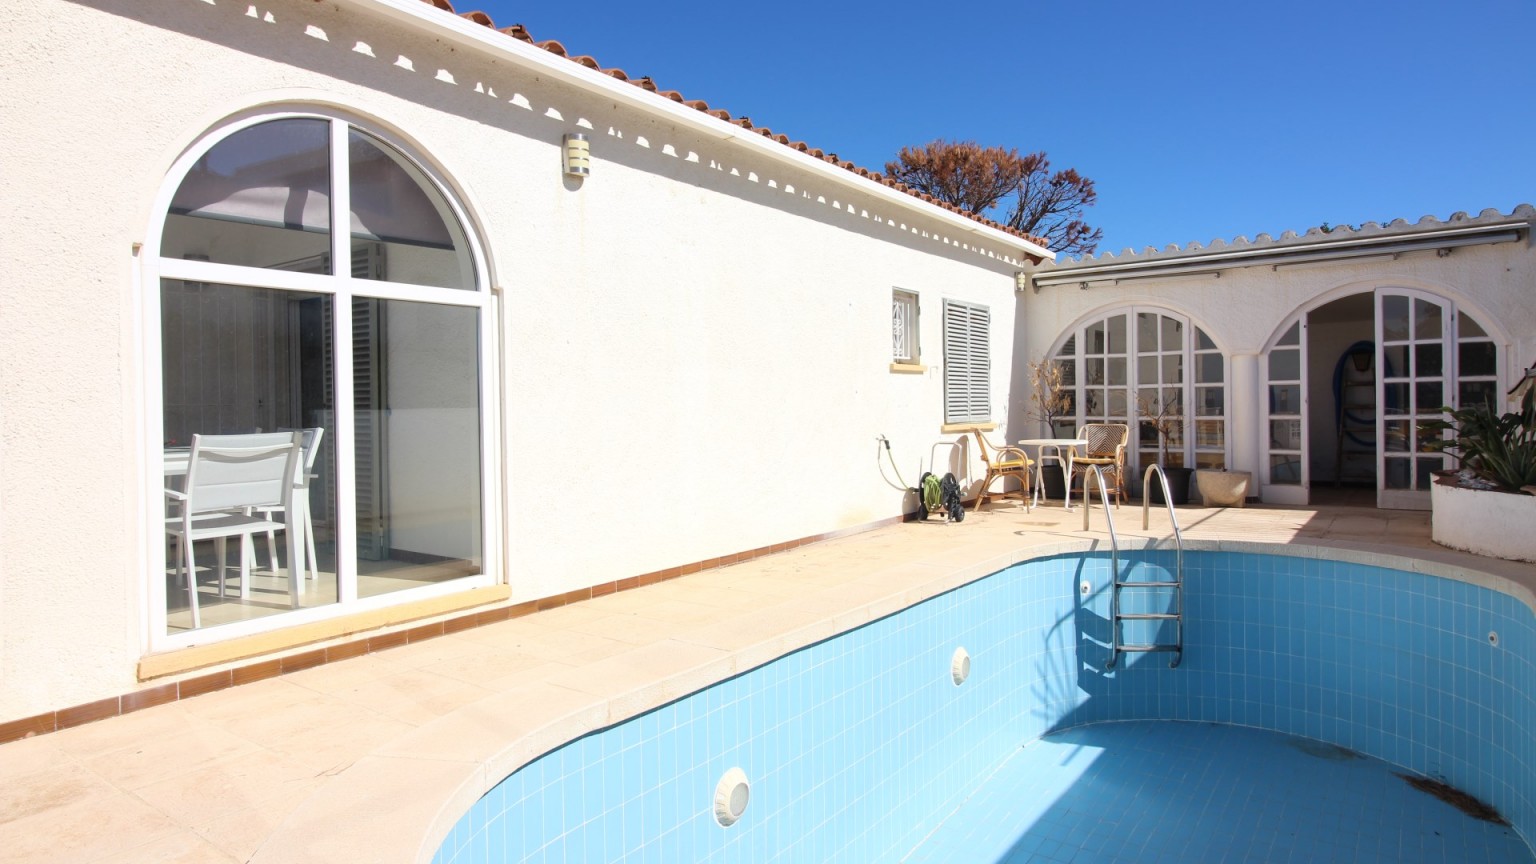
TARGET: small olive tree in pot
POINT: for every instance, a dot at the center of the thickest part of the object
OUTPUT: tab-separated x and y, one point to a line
1164	414
1051	403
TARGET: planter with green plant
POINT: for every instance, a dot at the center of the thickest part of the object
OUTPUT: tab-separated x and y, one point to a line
1488	504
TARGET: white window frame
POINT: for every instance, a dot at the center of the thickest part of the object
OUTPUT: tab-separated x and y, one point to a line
967	362
1190	351
906	312
154	268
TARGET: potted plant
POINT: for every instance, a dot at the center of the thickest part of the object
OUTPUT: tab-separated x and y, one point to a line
1164	415
1488	505
1050	401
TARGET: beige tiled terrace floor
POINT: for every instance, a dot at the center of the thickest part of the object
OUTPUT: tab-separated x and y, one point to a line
371	759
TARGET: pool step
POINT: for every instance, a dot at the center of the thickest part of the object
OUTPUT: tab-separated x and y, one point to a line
1149	616
1147	649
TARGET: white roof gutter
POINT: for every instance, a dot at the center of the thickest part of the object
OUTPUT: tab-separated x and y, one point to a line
1215	261
461	31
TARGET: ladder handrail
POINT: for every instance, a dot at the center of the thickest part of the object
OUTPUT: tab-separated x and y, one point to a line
1173	517
1114	556
1103	499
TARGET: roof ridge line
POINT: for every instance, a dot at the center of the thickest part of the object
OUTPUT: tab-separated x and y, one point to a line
520	33
1291	238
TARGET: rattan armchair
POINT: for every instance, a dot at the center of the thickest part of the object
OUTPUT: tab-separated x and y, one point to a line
1106	449
1001	462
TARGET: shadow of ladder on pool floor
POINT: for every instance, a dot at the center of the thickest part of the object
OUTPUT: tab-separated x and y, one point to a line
1145	590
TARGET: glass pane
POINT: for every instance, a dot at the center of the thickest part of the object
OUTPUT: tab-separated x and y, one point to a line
416	395
1285	399
1095	370
1394	318
1427	323
1284	470
1203	342
1427	466
1473	393
1209	434
1147	436
259	198
1094	402
1426	438
1285	365
1117	334
1395	359
1399	435
1093	338
1477	358
1068	372
1285	434
1117	371
1068	348
1146	370
1292	336
1427	360
1398	471
1118	403
1466	327
1213	461
1209	369
1173	334
239	361
1146	332
1431	397
1173	368
1395	397
1210	401
396	209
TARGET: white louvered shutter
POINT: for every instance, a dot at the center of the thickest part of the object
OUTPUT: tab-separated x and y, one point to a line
967	363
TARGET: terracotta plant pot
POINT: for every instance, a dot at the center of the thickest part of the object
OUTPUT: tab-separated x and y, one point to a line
1223	488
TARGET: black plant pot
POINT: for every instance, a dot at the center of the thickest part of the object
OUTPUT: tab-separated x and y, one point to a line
1055	486
1178	486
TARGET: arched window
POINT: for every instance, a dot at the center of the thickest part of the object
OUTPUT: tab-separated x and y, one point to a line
380	359
1149	367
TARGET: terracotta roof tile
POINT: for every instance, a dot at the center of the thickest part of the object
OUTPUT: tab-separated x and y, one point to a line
520	33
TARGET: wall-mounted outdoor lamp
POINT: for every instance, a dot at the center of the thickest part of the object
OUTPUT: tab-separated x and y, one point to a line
578	155
1021	281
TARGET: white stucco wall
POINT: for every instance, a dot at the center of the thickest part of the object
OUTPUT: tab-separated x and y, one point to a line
693	342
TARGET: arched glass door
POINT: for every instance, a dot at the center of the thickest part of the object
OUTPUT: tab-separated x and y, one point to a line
1428	355
1431	356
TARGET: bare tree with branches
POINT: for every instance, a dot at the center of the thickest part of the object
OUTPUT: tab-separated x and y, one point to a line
1021	191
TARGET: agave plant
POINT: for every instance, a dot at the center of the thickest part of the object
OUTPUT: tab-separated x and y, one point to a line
1499	449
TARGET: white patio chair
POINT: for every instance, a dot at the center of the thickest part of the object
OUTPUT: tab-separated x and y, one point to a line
301	480
229	478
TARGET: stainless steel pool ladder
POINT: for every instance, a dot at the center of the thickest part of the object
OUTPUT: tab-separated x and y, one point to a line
1176	585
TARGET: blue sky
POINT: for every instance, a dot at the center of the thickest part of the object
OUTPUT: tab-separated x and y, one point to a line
1196	120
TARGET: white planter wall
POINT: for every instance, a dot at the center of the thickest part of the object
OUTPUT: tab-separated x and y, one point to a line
1483	522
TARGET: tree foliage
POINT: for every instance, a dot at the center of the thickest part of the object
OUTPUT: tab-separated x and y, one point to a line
1019	191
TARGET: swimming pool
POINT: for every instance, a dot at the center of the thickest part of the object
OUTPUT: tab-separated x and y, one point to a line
858	747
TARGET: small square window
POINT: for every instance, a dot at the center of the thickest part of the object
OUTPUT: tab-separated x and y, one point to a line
904	349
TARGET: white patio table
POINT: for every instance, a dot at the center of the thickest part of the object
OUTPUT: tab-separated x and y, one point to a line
1055	445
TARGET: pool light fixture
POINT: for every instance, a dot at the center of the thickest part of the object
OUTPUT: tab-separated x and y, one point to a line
731	796
960	666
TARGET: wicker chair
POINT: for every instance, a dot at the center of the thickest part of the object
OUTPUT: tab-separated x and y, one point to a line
1002	462
1106	449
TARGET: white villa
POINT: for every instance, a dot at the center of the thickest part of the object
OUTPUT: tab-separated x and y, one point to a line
574	297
